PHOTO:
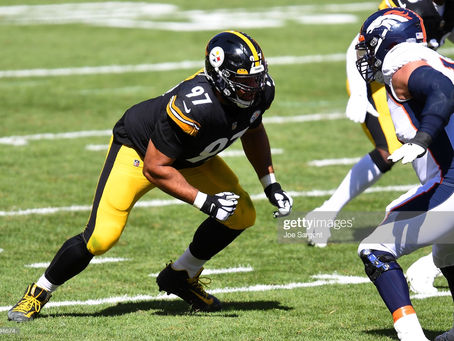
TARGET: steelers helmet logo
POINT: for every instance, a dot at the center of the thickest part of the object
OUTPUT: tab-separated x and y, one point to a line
216	56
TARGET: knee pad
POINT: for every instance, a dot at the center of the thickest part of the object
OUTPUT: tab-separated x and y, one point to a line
377	262
100	243
244	215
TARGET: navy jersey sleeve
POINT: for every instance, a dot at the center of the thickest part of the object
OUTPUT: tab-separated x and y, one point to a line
438	94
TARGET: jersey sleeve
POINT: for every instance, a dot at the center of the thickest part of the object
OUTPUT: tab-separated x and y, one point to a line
167	139
178	125
181	113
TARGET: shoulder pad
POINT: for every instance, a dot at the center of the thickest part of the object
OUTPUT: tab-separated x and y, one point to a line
178	111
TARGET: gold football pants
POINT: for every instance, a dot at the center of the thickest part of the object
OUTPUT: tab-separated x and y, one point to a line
122	183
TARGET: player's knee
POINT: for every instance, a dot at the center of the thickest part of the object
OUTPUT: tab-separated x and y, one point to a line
244	215
380	158
100	243
377	262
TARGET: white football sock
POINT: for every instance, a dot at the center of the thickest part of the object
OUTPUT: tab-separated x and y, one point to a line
189	263
362	175
44	283
408	328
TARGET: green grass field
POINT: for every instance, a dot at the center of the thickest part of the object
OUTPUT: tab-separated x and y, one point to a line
54	171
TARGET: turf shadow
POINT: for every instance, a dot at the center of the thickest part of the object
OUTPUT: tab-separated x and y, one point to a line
390	332
165	307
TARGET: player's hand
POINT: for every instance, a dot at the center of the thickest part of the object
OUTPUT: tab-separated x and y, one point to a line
408	152
280	199
221	205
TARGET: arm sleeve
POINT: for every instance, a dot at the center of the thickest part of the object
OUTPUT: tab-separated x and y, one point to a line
437	91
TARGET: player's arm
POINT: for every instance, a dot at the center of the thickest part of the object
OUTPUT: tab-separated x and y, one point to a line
420	81
159	171
256	146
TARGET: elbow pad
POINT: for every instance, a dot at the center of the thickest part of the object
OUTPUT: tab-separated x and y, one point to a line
437	92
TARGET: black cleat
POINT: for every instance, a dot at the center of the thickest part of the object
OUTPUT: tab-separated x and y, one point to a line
191	290
29	305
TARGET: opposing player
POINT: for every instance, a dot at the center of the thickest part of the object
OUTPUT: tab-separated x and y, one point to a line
419	82
367	105
171	142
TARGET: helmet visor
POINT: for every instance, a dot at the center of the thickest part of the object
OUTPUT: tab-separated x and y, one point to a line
248	86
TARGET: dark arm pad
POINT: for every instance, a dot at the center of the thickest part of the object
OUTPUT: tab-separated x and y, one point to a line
429	85
421	139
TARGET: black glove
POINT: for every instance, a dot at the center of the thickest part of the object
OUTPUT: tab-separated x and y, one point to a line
221	205
280	199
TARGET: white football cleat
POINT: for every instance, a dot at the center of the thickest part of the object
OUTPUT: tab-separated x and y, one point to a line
421	275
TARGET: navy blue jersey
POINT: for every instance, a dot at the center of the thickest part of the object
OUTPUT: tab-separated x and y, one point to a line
189	122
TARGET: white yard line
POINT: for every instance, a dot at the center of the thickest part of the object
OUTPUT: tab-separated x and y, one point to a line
219	271
169	66
144	15
96	260
437	294
333	162
169	202
21	140
329	279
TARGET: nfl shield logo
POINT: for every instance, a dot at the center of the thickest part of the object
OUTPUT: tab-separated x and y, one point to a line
136	163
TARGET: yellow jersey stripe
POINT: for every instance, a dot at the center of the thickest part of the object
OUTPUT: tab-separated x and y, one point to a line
387	4
188	125
195	74
250	45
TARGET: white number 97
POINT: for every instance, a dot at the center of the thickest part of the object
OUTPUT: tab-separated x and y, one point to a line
199	91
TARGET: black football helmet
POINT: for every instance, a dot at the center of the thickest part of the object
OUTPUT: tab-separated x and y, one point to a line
380	33
236	66
436	25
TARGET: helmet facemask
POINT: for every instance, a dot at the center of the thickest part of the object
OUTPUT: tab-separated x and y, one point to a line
242	89
367	63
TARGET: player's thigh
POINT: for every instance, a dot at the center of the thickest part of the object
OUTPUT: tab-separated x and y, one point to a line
215	176
380	130
120	185
421	217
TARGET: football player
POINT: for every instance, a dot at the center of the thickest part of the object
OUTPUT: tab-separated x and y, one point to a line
392	49
367	105
171	142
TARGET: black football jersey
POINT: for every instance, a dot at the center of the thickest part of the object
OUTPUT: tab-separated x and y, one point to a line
189	123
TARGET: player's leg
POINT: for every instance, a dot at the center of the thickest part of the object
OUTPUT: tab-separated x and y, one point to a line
419	219
443	256
380	131
120	185
212	236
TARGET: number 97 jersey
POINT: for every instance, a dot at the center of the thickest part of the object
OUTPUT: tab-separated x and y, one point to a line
189	122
